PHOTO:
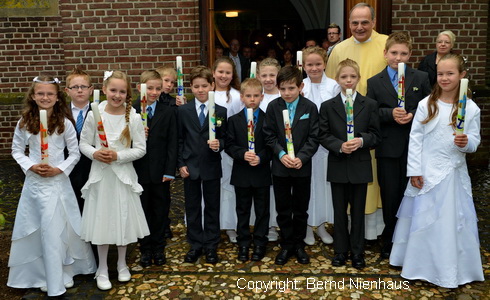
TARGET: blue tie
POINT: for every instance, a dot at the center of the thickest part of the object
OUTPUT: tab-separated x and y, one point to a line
395	81
149	111
202	117
79	124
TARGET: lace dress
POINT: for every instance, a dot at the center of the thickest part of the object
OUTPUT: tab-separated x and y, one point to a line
436	236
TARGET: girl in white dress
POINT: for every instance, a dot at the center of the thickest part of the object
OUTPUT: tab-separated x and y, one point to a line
267	74
319	88
436	236
227	95
113	213
46	249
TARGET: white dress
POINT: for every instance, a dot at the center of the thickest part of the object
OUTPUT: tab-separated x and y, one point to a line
113	213
46	247
436	236
320	209
227	216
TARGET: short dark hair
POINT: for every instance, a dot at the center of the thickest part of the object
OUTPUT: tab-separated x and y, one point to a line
289	74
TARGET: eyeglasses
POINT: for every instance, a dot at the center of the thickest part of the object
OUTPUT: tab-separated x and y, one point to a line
444	42
332	33
76	87
42	95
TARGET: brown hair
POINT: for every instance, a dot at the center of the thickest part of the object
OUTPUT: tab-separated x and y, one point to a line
234	79
290	74
315	50
250	83
150	75
77	72
201	72
400	37
437	91
347	63
30	113
125	134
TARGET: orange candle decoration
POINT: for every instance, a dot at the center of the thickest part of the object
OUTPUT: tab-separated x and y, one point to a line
43	133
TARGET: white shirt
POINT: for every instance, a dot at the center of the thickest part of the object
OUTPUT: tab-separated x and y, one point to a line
75	111
198	107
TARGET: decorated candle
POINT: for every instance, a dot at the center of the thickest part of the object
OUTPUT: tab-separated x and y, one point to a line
96	96
299	60
288	133
43	133
349	109
250	129
100	125
144	114
253	70
212	116
401	85
180	77
463	95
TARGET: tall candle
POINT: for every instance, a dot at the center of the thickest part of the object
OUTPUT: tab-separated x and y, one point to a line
96	96
253	70
180	77
288	133
401	85
463	95
250	129
349	109
43	133
144	114
212	116
100	125
299	60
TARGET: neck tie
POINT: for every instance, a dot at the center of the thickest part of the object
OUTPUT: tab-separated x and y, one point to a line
202	117
395	81
291	113
149	110
79	124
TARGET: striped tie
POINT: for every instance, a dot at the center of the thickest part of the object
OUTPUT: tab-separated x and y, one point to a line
79	124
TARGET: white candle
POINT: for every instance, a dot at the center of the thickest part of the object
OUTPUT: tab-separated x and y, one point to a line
463	95
43	133
299	60
97	96
253	70
250	130
99	125
401	85
288	133
212	117
349	114
180	77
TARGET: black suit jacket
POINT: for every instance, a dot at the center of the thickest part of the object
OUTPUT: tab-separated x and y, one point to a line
79	174
428	65
194	151
355	167
161	146
395	136
243	174
305	135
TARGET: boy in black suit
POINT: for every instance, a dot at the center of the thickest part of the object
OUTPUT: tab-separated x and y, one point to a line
199	162
349	161
291	172
251	174
391	154
156	169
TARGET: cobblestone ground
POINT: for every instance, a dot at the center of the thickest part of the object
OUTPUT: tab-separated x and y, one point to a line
231	279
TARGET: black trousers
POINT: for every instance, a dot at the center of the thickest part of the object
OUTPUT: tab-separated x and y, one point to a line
156	204
260	196
342	195
393	180
292	196
199	236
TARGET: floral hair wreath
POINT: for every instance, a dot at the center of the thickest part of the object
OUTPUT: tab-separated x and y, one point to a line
55	80
107	74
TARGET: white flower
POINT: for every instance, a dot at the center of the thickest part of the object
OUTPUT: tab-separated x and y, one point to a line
415	88
218	123
107	74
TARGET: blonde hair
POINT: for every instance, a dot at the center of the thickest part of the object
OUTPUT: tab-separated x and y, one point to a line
150	75
125	134
167	71
347	63
269	62
400	37
315	50
251	83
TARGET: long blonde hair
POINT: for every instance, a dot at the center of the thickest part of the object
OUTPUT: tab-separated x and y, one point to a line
125	137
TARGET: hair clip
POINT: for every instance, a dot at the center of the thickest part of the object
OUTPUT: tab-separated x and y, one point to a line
107	74
55	80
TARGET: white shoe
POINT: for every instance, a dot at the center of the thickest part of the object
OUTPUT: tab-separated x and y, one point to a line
123	274
103	282
44	289
324	235
69	284
273	236
232	236
310	238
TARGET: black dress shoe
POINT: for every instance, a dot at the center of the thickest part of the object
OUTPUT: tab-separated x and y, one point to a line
339	259
159	258
145	260
283	257
258	253
385	252
168	233
243	253
193	255
302	256
211	256
358	261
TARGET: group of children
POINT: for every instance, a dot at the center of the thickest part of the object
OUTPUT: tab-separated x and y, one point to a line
315	168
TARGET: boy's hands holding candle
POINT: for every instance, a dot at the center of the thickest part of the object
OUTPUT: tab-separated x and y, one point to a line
292	163
184	172
460	140
401	116
214	144
252	158
180	100
351	146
